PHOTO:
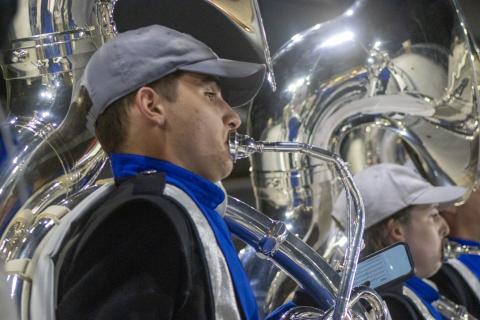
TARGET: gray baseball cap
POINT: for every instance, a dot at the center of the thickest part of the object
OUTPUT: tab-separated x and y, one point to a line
388	188
138	57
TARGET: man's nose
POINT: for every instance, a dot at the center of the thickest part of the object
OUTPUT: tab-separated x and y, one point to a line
444	228
232	119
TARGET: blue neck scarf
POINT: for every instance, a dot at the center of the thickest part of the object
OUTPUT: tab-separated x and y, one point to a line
207	196
471	261
426	293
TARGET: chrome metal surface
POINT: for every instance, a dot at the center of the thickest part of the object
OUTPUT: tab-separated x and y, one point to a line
385	82
379	309
302	263
246	15
303	313
244	146
452	250
49	45
53	159
451	310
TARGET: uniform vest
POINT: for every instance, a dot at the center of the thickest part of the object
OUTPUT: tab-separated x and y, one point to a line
470	278
42	268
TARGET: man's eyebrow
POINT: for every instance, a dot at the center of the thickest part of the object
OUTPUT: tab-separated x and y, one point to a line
207	79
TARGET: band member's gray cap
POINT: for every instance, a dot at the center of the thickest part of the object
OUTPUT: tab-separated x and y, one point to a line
388	188
138	57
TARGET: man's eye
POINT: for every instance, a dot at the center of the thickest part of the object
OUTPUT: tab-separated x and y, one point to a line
210	95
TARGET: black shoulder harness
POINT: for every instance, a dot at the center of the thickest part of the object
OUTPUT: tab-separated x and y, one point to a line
146	189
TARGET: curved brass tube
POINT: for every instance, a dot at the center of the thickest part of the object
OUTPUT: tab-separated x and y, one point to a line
382	83
244	146
452	250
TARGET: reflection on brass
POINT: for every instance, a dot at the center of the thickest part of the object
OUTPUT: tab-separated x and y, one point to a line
369	87
246	16
452	250
242	146
240	12
14	238
55	161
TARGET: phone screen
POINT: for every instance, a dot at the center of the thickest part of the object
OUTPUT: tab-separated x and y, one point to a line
392	264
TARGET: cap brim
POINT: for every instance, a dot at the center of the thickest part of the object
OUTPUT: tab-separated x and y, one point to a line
240	81
440	195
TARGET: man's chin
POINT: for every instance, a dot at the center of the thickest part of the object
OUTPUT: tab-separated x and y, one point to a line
228	169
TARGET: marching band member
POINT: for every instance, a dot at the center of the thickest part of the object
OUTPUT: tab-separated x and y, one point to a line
158	248
401	206
459	278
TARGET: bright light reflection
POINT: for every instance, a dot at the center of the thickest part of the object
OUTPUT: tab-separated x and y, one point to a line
338	39
349	12
289	213
14	285
242	252
295	85
296	38
45	114
377	44
46	95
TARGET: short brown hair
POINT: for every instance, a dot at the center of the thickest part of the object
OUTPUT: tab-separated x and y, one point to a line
376	237
111	126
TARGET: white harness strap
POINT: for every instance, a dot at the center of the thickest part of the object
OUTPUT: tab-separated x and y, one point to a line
222	286
418	303
467	274
43	296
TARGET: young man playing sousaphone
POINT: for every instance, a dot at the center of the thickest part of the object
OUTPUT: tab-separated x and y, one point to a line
158	248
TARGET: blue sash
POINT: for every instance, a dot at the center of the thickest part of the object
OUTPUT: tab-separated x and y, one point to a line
471	261
207	196
426	293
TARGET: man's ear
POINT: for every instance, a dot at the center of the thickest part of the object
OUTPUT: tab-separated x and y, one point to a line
396	231
150	105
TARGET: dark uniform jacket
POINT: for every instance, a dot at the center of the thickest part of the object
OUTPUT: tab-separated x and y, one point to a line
453	286
137	256
399	305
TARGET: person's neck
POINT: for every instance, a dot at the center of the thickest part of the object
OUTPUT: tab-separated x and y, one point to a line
164	157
